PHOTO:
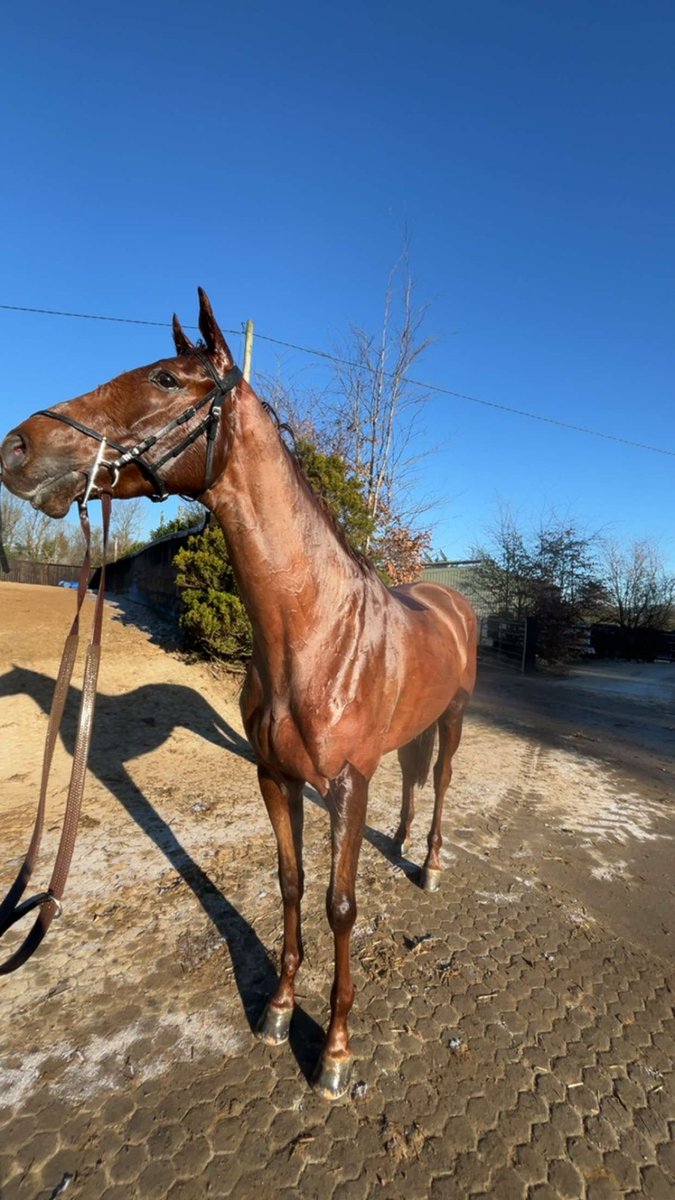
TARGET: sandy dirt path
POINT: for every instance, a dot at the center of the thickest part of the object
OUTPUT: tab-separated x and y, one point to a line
561	804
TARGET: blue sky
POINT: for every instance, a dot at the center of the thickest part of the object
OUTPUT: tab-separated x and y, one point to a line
275	153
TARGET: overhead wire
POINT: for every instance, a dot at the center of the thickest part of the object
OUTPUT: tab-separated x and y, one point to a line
346	362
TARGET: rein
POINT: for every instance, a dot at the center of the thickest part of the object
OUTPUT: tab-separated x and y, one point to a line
135	454
13	908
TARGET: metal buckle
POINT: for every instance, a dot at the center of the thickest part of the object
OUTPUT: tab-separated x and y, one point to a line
34	902
58	907
91	480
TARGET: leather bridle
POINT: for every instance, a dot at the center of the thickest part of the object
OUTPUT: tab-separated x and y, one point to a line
13	907
135	455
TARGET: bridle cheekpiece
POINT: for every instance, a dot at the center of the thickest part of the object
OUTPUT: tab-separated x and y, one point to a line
136	454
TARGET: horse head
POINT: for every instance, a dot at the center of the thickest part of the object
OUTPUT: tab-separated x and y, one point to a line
153	431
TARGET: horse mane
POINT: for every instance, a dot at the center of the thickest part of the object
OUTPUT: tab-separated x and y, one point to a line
333	522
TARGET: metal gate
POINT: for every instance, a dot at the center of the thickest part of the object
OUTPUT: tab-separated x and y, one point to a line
507	641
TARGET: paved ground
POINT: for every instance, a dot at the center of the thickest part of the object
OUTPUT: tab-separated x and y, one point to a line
515	1031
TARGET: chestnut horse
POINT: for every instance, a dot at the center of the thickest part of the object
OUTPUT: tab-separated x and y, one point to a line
343	668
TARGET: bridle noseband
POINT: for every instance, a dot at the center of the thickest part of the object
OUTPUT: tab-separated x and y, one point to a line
135	454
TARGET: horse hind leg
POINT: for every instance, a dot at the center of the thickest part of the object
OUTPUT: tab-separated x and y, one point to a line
450	732
415	760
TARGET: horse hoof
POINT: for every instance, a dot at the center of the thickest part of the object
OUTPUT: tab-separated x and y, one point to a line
431	877
274	1025
333	1077
400	848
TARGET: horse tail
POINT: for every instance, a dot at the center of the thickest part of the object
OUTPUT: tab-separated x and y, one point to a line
424	750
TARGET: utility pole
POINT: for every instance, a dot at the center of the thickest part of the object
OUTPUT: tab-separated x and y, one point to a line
248	351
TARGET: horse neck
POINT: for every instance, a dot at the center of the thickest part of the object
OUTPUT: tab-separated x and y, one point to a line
289	563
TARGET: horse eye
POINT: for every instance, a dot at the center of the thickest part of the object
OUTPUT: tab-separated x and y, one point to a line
165	380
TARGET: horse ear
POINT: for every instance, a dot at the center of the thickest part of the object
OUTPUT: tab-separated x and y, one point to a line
181	340
211	332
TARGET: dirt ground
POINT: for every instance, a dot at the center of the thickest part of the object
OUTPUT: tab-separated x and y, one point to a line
581	790
560	818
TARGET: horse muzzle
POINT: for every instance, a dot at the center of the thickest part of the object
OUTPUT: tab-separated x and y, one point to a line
49	483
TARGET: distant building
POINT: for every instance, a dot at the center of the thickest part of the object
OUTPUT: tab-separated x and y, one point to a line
461	575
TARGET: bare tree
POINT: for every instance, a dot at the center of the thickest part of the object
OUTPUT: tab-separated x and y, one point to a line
550	574
13	511
520	569
125	527
369	417
376	411
565	559
505	576
641	592
32	535
302	413
40	538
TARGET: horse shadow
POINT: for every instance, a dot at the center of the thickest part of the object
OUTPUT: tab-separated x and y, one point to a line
139	722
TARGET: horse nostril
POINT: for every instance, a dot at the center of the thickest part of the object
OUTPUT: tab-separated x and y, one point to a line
12	451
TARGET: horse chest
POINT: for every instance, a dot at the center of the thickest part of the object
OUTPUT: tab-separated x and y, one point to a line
308	741
279	742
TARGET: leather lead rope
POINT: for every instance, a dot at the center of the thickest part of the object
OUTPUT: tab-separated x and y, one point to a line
12	908
4	562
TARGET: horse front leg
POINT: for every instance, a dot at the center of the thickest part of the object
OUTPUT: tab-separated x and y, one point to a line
347	801
284	805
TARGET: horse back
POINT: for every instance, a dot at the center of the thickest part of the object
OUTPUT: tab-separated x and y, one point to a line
438	653
449	608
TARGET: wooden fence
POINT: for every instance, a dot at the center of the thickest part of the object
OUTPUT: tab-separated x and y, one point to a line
148	576
51	574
